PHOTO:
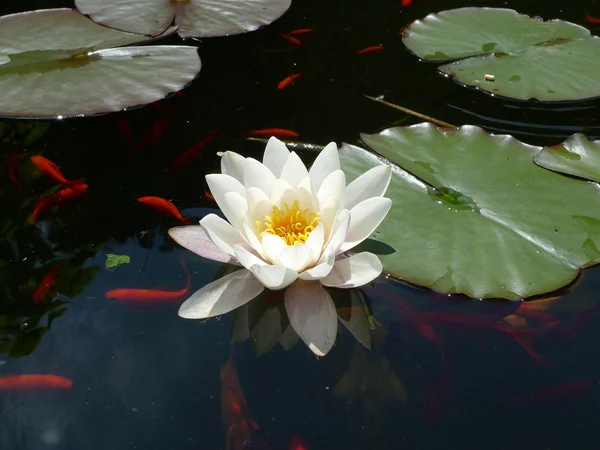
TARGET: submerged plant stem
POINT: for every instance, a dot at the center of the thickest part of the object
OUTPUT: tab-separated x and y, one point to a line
413	113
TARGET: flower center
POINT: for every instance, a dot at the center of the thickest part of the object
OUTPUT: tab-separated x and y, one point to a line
291	224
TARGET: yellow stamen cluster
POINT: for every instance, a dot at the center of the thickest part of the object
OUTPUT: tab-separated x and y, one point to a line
293	225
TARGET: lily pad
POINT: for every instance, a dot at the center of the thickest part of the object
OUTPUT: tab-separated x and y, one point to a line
58	62
194	18
113	260
510	54
576	156
473	214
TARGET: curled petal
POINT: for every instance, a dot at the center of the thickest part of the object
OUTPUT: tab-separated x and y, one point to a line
356	270
314	244
338	236
259	205
364	220
326	162
276	154
194	238
219	186
333	188
271	276
232	164
295	257
312	314
221	296
319	271
221	233
294	170
372	183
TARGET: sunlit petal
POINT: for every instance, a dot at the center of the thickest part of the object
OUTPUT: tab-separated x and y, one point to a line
333	188
222	233
221	296
273	277
257	175
312	314
220	185
232	164
294	170
273	246
194	238
295	257
364	219
314	244
326	162
338	236
372	183
321	270
356	270
276	154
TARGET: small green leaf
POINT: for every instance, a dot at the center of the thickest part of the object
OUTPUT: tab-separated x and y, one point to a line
113	260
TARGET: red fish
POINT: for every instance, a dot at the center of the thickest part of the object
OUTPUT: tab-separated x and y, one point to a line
297	444
51	200
300	31
46	284
125	132
591	19
34	382
165	207
373	48
564	391
51	170
288	81
439	393
415	319
277	132
192	153
157	130
242	430
11	166
148	295
406	3
291	39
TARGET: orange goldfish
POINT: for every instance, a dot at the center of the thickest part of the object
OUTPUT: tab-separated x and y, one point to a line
34	382
63	195
374	48
148	295
46	284
166	207
51	170
277	132
288	81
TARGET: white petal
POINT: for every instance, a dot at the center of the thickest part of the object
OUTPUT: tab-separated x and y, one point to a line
333	188
252	239
272	247
295	257
194	238
257	175
221	296
276	154
353	271
220	185
232	164
235	209
259	205
283	194
223	235
314	244
338	236
312	314
321	270
329	214
373	183
273	277
307	196
326	162
294	170
364	219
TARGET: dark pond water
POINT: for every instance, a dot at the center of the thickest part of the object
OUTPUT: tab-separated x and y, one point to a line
146	379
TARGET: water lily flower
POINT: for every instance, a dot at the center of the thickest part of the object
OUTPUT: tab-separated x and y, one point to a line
289	227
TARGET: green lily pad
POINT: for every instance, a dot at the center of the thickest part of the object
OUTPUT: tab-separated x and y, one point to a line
473	214
58	62
576	156
199	18
509	54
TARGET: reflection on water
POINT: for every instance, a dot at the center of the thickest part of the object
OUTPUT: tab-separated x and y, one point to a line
441	371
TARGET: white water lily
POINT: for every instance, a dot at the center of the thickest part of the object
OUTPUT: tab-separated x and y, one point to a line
289	228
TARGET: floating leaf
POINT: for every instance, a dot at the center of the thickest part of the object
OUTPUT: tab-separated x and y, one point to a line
576	156
57	62
113	260
193	17
476	216
510	54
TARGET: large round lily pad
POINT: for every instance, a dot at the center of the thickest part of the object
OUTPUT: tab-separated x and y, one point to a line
58	62
509	54
576	156
472	213
198	18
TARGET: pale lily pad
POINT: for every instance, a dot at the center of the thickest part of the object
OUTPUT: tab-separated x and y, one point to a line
510	54
194	18
576	156
482	218
58	62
